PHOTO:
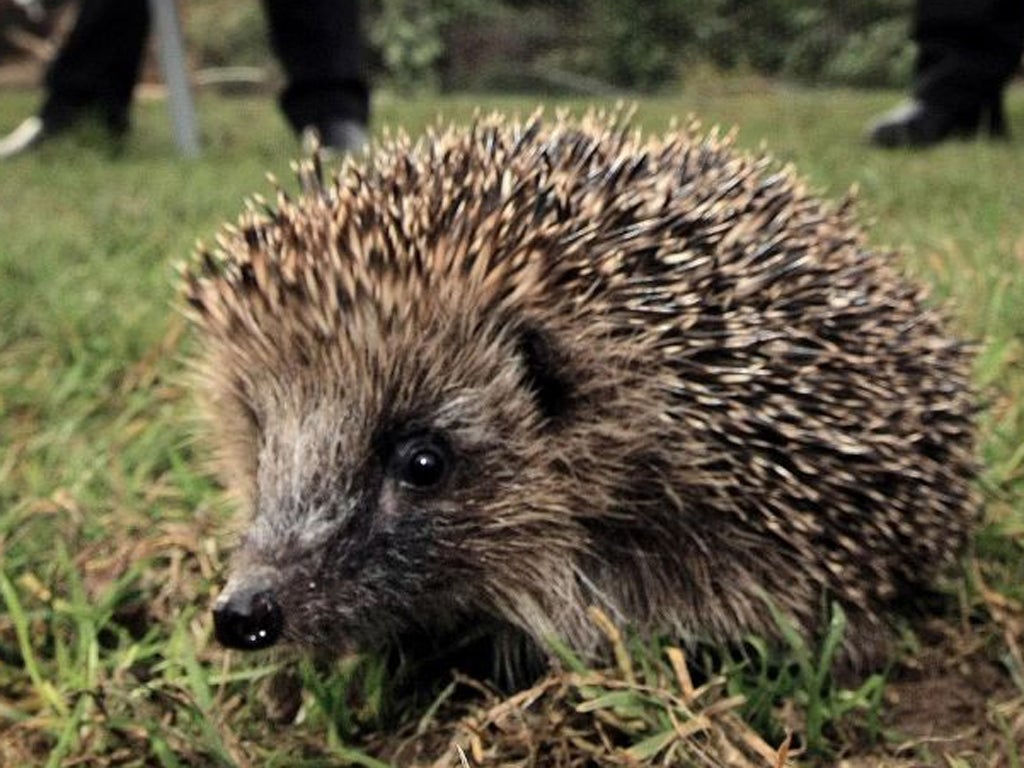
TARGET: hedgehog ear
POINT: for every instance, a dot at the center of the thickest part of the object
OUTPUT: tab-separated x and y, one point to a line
545	374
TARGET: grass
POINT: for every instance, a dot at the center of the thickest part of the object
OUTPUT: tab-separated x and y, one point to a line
112	539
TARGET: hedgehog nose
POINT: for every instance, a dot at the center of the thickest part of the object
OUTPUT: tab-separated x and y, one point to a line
248	619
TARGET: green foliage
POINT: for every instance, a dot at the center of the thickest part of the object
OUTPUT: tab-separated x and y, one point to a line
227	33
405	35
642	45
803	674
350	696
854	44
596	45
880	55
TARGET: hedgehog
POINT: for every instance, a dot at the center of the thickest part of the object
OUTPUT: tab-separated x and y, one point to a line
498	376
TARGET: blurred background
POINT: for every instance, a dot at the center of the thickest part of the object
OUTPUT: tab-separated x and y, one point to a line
571	47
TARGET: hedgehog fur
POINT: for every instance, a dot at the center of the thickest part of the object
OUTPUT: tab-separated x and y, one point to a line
506	372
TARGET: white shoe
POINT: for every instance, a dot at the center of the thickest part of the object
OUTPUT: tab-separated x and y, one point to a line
23	138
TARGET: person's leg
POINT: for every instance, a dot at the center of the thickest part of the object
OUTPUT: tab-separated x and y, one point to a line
98	64
319	44
967	52
94	73
967	49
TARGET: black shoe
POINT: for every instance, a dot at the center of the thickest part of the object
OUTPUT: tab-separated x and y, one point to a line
921	124
337	137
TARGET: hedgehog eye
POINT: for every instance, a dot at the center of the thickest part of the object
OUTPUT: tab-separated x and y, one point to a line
422	462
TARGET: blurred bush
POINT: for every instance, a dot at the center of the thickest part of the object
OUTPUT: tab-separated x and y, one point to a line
591	45
223	33
600	45
585	44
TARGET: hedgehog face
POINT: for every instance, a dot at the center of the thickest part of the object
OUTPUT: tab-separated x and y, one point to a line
383	511
343	546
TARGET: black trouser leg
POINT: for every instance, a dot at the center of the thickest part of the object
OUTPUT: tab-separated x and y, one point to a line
967	50
97	66
319	43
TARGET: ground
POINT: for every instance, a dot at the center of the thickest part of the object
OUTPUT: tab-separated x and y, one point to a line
113	538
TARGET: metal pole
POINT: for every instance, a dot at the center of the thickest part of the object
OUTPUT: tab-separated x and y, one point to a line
172	62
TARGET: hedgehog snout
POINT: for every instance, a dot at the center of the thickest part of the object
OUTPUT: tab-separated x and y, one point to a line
248	616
